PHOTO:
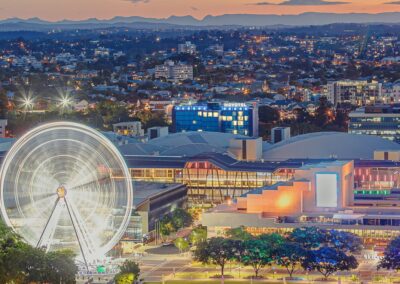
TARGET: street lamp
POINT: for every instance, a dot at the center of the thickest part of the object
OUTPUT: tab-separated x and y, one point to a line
65	101
27	103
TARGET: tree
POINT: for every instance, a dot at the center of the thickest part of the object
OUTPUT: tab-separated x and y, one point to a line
257	254
12	255
301	115
218	251
198	235
3	104
181	244
128	272
174	221
181	218
261	251
150	119
391	256
324	114
268	114
61	267
327	251
239	233
21	263
308	237
124	278
328	260
289	255
341	119
166	225
344	241
34	263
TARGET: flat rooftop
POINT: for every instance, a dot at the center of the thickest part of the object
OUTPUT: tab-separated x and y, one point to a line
143	191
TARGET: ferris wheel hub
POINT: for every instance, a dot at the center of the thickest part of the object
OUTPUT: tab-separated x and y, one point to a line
51	160
61	192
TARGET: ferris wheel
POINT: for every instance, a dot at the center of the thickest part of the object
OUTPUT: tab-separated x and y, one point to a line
64	185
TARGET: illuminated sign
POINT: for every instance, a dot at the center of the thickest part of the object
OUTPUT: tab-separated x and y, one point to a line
327	189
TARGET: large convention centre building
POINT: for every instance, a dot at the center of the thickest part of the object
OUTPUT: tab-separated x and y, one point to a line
329	179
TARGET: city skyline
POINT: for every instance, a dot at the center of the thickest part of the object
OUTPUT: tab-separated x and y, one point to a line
105	9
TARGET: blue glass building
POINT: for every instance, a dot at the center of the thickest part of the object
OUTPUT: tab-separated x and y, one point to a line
235	118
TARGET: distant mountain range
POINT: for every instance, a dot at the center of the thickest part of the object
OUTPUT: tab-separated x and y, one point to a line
189	22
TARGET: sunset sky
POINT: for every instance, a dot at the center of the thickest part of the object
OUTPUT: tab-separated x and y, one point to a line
104	9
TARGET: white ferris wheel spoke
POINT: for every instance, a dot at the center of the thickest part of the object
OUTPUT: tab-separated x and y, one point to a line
47	235
84	239
80	160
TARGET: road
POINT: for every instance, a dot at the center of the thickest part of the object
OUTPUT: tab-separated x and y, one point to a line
165	263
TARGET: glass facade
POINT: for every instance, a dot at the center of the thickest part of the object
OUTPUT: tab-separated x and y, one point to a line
216	117
387	127
376	180
207	182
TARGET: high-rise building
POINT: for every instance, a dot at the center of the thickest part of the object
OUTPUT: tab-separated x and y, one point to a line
358	93
383	121
235	118
187	47
174	72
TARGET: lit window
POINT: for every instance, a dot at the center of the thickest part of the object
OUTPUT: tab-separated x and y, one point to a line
200	113
215	114
235	131
235	123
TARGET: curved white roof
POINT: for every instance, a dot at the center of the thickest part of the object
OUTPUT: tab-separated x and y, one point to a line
323	145
214	139
139	149
182	144
192	150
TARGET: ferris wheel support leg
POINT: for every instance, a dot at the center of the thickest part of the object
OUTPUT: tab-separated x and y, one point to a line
76	234
47	223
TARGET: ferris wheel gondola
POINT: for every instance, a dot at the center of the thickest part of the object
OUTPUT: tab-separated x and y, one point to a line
64	185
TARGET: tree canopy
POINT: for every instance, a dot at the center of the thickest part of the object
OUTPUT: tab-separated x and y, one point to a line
391	257
21	263
128	272
327	251
218	251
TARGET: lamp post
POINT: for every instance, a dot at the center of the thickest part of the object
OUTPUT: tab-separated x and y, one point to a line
27	104
64	103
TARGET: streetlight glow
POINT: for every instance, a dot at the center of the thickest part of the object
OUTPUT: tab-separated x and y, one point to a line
27	102
65	101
